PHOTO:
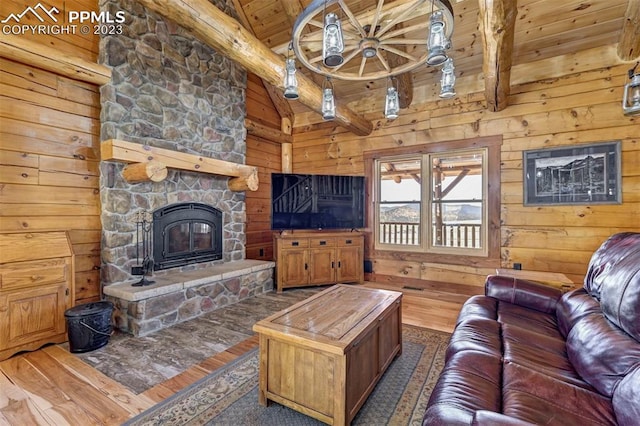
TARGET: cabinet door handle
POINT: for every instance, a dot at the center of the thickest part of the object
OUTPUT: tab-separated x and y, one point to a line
339	264
332	265
323	243
306	266
349	242
295	243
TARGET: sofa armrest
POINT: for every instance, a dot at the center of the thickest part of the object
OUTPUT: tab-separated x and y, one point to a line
491	418
529	294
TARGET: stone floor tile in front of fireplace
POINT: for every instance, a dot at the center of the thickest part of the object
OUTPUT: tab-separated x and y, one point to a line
140	363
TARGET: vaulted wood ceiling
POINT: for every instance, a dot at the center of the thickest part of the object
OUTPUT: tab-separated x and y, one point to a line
540	29
490	39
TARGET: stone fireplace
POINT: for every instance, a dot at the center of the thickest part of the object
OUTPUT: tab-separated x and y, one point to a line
169	90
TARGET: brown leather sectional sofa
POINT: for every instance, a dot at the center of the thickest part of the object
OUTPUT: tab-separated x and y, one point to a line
526	354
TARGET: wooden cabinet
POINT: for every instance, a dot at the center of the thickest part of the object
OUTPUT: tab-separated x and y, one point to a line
306	259
36	287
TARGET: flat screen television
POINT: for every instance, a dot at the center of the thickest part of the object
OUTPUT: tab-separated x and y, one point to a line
305	201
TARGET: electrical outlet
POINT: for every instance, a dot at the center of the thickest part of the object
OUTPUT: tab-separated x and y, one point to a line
517	266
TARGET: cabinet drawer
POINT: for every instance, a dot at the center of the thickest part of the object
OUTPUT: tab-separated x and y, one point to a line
349	241
322	242
297	243
33	274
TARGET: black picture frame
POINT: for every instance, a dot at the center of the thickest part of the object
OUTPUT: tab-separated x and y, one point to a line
578	174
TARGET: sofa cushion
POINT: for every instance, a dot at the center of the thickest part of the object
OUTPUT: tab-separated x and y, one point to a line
602	353
478	306
525	293
529	319
470	381
626	399
604	260
573	306
620	296
491	418
537	398
478	334
541	353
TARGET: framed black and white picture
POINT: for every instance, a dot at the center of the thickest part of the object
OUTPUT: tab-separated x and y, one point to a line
579	174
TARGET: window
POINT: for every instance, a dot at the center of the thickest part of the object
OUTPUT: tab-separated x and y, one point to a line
400	205
440	199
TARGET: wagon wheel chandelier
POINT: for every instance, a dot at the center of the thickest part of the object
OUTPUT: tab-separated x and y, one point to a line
380	40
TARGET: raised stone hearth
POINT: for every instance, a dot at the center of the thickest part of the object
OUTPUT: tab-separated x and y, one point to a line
179	296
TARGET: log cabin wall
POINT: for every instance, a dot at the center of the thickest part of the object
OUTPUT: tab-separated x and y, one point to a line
266	155
575	108
49	148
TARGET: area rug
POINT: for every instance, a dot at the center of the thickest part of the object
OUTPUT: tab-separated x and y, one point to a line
229	396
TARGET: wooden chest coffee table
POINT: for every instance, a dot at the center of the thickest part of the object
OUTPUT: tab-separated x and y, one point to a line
323	356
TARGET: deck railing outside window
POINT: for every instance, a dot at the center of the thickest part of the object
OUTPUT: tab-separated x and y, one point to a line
466	235
400	233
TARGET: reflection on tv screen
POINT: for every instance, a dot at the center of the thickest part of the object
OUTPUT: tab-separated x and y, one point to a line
304	201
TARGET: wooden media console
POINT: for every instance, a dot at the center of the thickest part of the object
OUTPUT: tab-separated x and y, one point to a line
316	258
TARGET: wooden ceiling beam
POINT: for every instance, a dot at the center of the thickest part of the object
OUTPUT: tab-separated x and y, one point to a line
231	39
497	23
274	135
275	94
629	44
293	9
405	82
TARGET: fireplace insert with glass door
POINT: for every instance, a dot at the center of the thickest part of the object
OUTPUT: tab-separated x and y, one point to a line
186	233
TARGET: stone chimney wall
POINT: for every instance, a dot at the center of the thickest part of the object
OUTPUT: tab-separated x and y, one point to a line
168	90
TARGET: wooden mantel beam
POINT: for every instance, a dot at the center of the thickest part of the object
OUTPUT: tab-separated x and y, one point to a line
497	23
243	177
230	38
42	56
629	44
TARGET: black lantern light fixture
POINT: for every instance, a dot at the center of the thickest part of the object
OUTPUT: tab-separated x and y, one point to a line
631	96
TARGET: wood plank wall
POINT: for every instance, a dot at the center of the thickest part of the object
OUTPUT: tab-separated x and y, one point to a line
573	109
49	149
265	155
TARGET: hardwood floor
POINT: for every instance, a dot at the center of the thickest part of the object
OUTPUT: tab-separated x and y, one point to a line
54	387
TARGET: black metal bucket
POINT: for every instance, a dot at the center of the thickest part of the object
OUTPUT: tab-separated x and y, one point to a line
89	326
